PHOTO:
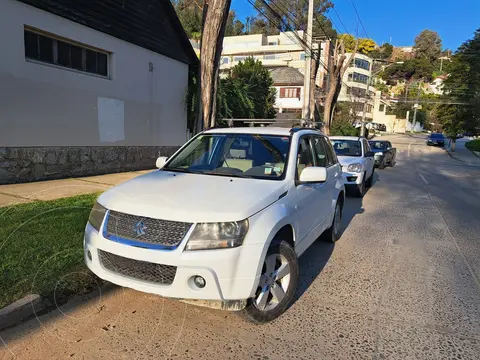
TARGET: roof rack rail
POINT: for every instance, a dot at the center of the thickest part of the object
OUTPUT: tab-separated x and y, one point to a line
293	130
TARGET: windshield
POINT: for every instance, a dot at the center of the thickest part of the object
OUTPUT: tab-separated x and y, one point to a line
347	147
378	145
238	155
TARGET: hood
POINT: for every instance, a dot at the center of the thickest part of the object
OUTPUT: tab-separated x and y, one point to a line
192	197
347	160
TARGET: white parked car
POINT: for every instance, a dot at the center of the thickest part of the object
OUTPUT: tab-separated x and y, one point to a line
358	163
224	219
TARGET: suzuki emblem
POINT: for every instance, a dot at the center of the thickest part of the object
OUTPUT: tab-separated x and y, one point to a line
139	228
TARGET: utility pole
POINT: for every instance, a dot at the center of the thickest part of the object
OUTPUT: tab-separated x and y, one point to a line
308	65
416	107
364	114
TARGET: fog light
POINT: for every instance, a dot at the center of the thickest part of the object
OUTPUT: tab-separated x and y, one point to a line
199	281
89	255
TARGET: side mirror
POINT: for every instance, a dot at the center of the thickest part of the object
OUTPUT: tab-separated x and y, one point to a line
370	154
161	161
313	174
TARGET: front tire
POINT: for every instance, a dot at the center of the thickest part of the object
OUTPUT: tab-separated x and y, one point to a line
359	190
333	233
277	285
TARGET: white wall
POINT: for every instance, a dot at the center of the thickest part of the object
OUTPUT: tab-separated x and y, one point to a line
288	103
41	105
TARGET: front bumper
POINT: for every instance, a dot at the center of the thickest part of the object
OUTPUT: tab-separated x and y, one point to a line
352	178
230	274
436	143
379	159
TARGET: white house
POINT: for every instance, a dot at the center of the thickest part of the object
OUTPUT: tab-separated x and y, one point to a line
436	86
89	89
289	85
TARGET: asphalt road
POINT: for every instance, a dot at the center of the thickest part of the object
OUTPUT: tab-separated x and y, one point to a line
402	283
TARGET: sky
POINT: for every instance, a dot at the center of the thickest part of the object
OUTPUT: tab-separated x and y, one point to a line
400	21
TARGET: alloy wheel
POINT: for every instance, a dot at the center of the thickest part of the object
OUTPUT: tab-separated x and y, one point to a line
274	282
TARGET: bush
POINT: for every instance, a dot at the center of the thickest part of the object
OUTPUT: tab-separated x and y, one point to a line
342	127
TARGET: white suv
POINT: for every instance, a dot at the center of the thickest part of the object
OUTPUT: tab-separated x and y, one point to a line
223	220
358	163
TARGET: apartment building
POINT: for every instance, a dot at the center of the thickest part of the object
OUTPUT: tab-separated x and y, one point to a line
279	50
355	83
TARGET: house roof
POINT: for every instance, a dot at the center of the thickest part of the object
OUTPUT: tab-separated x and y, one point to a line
151	24
286	76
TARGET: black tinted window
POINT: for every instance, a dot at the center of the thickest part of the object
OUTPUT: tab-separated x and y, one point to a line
321	155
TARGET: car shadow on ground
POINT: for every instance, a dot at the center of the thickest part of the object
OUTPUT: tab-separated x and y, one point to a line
315	258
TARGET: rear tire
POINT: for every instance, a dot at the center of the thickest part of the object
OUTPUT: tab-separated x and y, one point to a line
277	285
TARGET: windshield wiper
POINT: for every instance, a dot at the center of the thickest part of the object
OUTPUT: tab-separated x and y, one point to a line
228	174
182	170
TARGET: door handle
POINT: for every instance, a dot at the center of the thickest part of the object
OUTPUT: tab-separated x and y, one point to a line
336	174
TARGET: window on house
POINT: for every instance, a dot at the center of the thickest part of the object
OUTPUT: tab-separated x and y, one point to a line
356	77
382	108
272	43
355	91
239	58
361	64
270	57
302	56
225	60
290	93
51	50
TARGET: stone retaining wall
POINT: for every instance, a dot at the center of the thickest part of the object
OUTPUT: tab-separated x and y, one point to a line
19	164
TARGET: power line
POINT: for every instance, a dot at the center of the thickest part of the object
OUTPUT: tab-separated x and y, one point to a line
346	30
359	19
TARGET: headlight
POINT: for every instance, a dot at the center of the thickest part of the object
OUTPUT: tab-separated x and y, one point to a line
96	216
217	235
355	168
379	153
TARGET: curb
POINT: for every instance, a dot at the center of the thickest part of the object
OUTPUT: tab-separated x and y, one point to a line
21	310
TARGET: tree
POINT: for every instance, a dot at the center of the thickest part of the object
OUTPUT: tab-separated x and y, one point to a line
336	70
383	52
258	82
348	42
428	45
190	15
365	46
285	15
451	122
416	68
216	15
463	83
234	27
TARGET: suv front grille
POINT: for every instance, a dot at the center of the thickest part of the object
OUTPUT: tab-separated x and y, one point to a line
145	230
140	270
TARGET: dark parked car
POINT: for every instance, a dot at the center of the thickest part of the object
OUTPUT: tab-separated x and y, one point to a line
384	152
436	139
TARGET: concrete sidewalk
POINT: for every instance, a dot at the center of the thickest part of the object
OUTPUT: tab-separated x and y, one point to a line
463	154
56	189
